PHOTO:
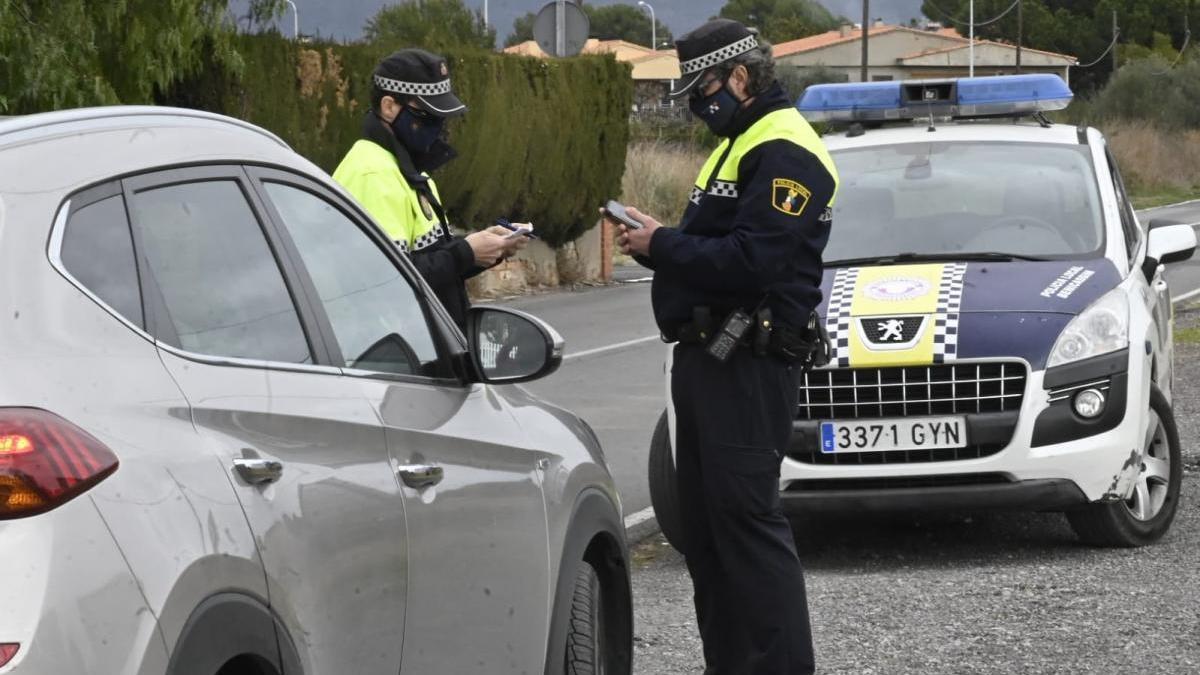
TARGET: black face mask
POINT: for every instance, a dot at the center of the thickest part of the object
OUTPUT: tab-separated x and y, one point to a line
417	133
718	111
425	139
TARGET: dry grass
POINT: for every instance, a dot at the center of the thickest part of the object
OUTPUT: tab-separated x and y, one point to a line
659	177
1154	161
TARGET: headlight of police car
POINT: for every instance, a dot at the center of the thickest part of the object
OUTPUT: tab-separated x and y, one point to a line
1100	329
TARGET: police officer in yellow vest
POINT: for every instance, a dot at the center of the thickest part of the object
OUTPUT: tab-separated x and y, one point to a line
736	285
404	138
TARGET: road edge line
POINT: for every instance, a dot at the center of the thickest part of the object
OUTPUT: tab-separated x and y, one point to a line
640	526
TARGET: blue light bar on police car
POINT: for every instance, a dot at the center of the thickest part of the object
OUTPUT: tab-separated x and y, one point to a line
913	99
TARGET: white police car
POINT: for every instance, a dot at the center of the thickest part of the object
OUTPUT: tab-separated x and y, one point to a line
1000	322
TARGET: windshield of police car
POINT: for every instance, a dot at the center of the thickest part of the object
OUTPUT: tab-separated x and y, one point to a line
948	198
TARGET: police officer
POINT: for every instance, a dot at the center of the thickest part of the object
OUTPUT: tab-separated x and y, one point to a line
736	285
404	139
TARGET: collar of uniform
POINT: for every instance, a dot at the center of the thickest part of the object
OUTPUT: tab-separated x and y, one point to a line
774	98
376	131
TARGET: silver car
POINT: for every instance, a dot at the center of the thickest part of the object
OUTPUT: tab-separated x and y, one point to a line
239	436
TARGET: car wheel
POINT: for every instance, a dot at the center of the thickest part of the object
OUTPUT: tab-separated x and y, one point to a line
664	491
1146	515
586	644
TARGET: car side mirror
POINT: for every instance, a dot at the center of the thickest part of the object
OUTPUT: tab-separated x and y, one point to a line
1169	242
508	346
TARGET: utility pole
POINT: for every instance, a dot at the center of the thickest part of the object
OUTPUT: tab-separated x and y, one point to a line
866	29
1116	32
1020	31
971	68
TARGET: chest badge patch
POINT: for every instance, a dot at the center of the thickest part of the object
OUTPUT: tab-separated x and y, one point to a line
789	196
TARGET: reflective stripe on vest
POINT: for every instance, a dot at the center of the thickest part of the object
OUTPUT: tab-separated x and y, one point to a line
786	124
403	215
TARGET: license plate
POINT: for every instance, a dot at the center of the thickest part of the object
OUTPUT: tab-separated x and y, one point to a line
925	433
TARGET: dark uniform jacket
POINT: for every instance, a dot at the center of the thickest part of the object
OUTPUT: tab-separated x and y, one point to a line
757	239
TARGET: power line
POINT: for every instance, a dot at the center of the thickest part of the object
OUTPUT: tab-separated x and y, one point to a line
953	19
1187	38
1106	51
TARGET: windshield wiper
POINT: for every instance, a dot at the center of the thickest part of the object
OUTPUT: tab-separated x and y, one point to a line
972	256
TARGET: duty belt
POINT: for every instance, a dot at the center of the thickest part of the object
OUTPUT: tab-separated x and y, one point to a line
809	345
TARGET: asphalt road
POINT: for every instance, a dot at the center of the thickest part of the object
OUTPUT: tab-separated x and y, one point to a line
613	372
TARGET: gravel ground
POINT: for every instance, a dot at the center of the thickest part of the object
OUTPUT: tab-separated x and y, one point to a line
972	593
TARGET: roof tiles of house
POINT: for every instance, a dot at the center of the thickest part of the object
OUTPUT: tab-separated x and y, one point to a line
834	37
647	63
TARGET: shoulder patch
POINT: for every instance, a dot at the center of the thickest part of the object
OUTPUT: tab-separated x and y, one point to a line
789	196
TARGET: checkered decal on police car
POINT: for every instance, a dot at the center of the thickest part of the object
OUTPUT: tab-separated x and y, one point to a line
723	54
697	193
429	238
945	323
412	88
837	318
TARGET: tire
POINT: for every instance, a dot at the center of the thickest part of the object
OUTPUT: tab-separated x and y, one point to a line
586	643
664	491
1147	515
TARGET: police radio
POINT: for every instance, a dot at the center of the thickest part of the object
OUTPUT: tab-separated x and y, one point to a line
727	339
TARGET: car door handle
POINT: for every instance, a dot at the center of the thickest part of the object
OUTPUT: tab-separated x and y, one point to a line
258	471
420	475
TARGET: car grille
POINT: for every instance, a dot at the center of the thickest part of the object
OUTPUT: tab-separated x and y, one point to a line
875	393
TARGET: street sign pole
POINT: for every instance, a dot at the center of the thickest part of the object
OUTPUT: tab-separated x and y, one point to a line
560	28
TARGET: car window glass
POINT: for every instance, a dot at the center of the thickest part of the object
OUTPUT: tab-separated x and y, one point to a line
1038	200
1128	222
221	286
97	250
375	312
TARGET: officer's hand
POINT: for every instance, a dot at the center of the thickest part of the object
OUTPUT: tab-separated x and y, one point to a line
637	242
488	247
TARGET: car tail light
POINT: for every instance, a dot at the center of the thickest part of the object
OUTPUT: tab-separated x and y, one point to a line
7	651
45	461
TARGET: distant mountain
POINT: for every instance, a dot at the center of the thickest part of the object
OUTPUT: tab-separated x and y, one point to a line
344	19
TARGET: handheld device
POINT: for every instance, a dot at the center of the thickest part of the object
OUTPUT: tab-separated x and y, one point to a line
517	229
730	335
616	210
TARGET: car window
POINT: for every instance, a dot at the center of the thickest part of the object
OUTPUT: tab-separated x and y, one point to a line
375	313
221	287
1128	222
966	197
97	249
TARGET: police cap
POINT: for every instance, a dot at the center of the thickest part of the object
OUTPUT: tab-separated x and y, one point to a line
709	45
422	76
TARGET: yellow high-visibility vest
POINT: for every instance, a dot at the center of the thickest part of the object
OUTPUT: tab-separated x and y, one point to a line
370	173
786	124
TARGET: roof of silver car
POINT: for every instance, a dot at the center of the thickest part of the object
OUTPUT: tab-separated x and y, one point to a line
32	124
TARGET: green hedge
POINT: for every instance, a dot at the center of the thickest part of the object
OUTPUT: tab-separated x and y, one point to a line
543	141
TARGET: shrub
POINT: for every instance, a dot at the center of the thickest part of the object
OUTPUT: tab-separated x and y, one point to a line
543	141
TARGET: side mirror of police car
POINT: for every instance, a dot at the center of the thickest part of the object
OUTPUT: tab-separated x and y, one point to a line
508	346
1170	242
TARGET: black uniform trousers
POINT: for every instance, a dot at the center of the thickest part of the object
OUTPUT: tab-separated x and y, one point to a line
733	421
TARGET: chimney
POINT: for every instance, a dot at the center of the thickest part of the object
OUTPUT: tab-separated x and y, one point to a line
845	29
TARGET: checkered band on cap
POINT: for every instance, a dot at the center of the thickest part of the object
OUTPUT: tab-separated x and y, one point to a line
412	88
723	54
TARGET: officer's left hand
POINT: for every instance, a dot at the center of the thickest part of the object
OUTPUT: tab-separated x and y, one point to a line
637	242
